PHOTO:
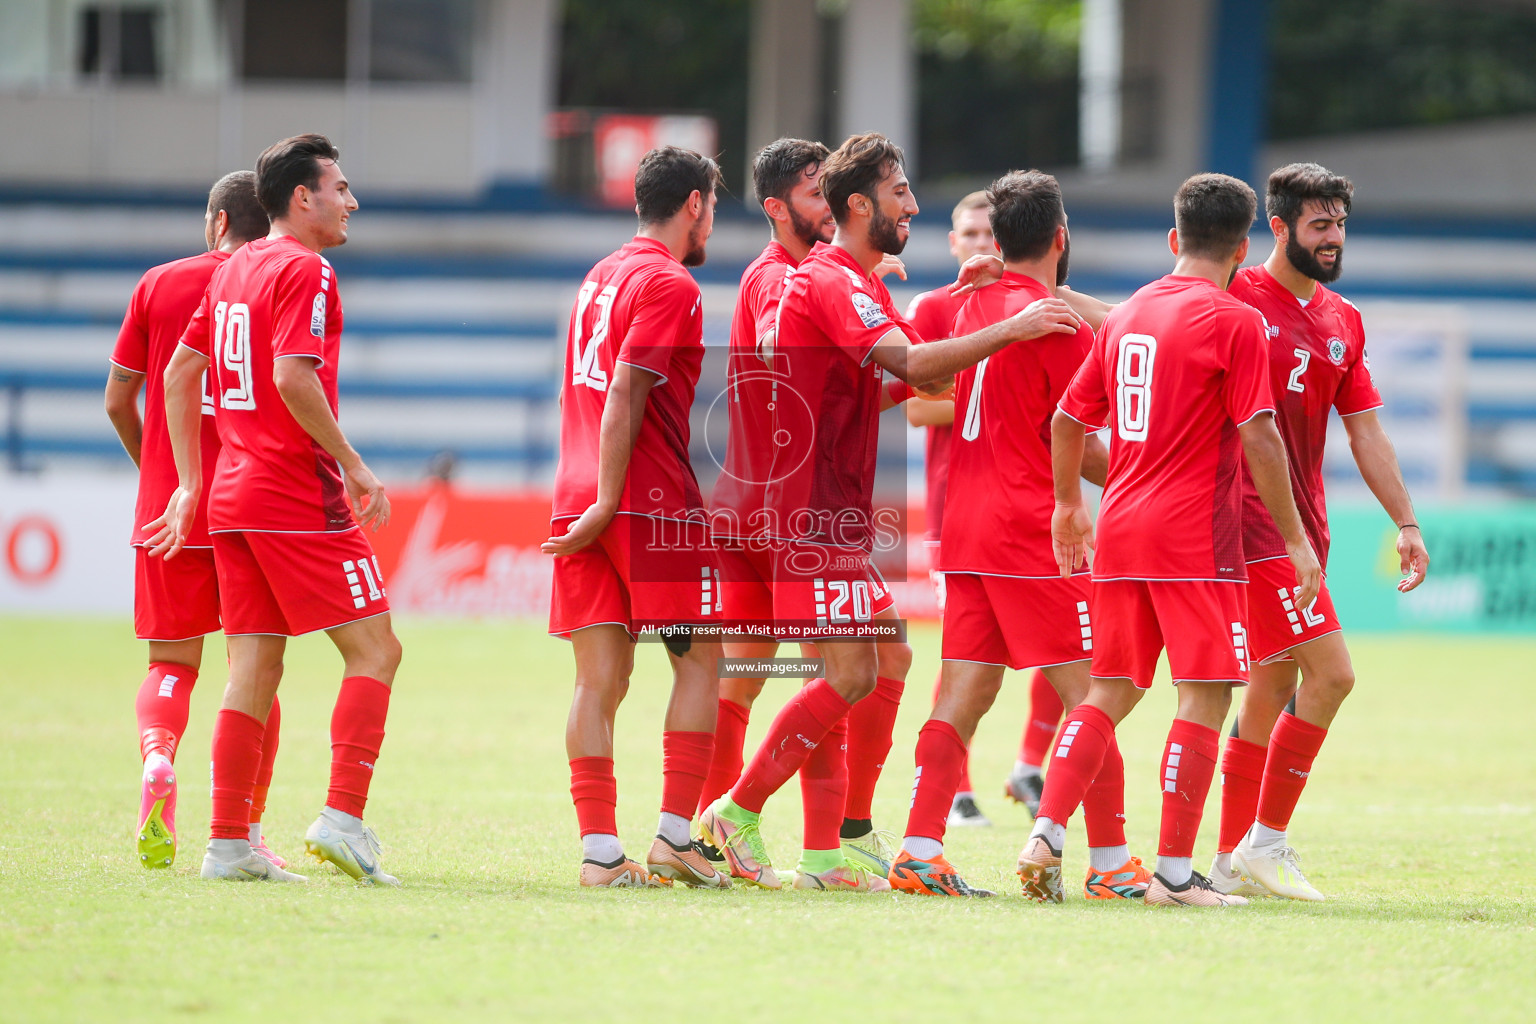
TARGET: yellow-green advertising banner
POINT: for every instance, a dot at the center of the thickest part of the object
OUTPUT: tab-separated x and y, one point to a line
1482	573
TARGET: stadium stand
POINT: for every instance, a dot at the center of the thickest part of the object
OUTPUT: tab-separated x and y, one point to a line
455	320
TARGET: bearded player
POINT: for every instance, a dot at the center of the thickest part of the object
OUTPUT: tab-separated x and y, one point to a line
176	603
786	179
1179	374
628	529
1317	361
286	507
1006	603
839	333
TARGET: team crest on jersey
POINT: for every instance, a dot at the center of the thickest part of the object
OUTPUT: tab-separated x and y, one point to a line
869	310
1272	332
317	316
1336	350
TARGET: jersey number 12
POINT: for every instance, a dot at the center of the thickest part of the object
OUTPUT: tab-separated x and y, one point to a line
585	368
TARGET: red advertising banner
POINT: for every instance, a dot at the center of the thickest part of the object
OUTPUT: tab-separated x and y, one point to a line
476	554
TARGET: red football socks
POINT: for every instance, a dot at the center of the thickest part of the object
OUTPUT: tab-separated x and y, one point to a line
941	756
357	732
161	707
1104	803
685	758
870	725
236	758
824	788
1242	768
1189	762
595	792
1044	713
1292	746
725	761
964	785
794	734
268	757
1086	737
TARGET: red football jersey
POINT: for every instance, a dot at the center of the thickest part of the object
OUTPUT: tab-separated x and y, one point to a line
1317	361
752	392
273	299
932	314
1176	368
1001	496
162	304
641	307
828	418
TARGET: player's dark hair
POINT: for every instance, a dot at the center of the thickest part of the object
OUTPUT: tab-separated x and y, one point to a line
1213	213
235	194
1026	211
667	177
1291	186
284	166
778	166
857	166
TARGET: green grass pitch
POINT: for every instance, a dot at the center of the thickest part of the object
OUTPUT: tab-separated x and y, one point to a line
1418	822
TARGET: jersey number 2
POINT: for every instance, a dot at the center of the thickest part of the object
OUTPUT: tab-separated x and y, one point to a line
1133	385
1295	384
232	351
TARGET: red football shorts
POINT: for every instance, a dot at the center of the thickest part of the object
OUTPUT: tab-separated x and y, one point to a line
827	592
1201	622
1020	623
1275	624
288	584
641	573
175	600
746	584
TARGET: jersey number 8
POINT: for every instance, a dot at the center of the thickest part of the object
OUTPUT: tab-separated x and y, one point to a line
232	351
1133	385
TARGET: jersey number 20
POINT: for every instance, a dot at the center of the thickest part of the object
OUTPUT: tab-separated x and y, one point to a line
232	352
1133	386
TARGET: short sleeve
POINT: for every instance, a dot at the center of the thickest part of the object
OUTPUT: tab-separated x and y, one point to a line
302	297
1357	391
853	315
131	351
1086	399
198	335
664	318
1245	390
927	315
1061	356
767	290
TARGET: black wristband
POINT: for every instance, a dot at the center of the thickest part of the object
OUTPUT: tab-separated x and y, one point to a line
1404	526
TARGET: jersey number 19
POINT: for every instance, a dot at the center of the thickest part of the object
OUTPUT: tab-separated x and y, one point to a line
232	352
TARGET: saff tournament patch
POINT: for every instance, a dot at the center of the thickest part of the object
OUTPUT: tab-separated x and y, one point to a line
1336	350
869	310
317	316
